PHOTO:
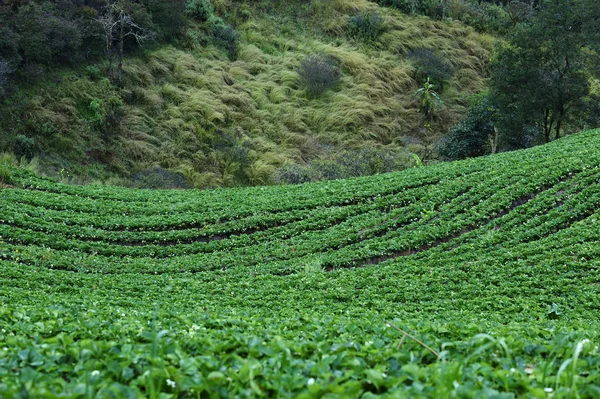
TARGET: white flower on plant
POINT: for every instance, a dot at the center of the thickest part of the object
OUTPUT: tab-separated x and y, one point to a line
548	390
95	373
171	383
310	381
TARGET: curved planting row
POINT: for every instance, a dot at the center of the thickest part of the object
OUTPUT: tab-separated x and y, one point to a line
349	223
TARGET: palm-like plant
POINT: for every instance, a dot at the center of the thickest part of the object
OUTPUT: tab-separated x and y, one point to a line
428	99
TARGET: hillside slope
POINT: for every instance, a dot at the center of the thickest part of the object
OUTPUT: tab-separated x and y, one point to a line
493	263
191	109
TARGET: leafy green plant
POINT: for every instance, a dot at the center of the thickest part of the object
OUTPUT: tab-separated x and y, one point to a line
5	175
429	65
428	99
97	283
202	10
553	311
93	72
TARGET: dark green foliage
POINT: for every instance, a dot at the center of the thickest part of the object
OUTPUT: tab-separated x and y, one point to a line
93	72
24	146
473	136
430	65
9	45
202	10
366	26
5	71
168	18
519	10
231	151
294	174
431	8
160	178
5	175
319	73
45	35
539	79
483	16
367	161
106	115
226	37
39	35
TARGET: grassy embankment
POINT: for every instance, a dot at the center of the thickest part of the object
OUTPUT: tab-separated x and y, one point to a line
220	122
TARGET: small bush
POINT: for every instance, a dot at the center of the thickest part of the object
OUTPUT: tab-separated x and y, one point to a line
430	8
319	73
5	175
201	10
430	65
24	146
368	161
366	26
106	115
471	137
329	169
7	160
93	72
160	178
352	163
294	174
227	38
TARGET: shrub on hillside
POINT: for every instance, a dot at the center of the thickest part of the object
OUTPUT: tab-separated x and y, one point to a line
24	146
319	73
45	36
106	115
227	37
366	26
160	178
475	135
430	65
201	10
366	161
294	174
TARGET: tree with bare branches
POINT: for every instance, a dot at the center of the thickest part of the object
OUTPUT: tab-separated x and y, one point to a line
117	24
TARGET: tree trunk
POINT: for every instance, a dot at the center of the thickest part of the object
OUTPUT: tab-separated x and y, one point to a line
109	54
121	39
559	123
548	124
494	141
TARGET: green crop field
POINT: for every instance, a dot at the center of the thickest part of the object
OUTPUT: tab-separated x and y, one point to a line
472	279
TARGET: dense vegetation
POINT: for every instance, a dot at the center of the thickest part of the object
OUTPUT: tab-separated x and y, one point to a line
216	92
490	264
203	93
